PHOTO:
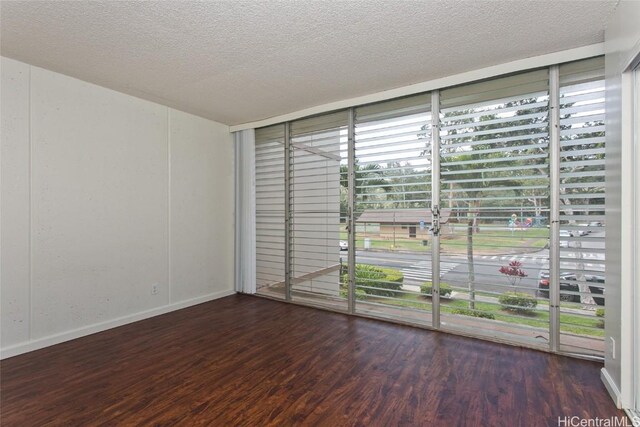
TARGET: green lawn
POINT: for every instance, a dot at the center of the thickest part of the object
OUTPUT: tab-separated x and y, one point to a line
495	241
486	242
569	323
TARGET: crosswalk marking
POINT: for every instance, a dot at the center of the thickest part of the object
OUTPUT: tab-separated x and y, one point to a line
521	258
421	271
583	255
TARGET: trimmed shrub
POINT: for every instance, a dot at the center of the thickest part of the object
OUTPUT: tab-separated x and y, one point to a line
375	280
600	312
445	289
393	275
360	293
518	302
473	313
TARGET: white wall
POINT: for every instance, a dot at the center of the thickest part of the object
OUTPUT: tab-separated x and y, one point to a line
103	195
622	44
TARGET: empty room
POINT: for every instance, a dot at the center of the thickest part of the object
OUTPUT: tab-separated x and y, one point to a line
320	212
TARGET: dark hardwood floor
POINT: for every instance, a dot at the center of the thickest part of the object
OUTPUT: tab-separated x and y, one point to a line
249	361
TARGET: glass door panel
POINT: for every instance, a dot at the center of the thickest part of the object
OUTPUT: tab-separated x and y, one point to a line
582	207
393	209
317	153
495	205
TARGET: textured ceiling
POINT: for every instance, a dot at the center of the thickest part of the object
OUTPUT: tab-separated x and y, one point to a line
241	61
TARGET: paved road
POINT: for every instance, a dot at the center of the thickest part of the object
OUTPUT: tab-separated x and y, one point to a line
488	278
416	267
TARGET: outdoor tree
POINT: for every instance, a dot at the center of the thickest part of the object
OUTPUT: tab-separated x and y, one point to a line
514	273
409	186
370	183
581	175
491	155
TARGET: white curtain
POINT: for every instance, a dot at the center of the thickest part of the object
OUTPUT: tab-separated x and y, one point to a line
245	211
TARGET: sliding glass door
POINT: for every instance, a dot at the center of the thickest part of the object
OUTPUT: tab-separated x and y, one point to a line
495	183
317	151
582	284
393	209
476	209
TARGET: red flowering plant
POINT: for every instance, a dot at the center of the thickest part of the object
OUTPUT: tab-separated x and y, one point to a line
514	272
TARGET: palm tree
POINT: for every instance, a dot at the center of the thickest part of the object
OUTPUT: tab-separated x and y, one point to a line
368	176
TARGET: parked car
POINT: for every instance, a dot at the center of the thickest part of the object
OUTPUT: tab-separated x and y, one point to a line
580	233
569	290
343	245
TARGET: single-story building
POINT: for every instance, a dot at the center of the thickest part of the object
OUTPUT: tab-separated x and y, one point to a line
402	223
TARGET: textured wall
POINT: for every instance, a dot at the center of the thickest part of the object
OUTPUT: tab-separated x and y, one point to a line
103	196
622	45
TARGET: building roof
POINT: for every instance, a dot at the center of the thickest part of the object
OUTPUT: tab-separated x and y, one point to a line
401	216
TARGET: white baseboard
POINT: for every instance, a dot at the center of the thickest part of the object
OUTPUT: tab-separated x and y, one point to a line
28	346
611	386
